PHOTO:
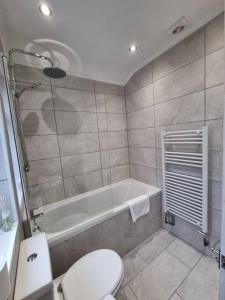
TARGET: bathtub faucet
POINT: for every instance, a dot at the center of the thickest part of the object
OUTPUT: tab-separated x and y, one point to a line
33	215
34	218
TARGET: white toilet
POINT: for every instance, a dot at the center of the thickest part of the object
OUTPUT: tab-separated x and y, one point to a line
96	276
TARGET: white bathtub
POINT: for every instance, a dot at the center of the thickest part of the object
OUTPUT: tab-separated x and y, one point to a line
69	217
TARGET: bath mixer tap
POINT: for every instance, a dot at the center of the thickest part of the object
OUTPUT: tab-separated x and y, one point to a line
33	215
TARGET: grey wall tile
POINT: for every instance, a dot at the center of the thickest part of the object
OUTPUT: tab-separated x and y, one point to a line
180	55
215	194
100	102
214	222
184	81
143	156
215	68
215	102
75	122
78	143
118	156
143	118
185	109
110	103
159	158
111	122
82	183
119	173
214	34
46	170
144	174
81	163
187	232
37	98
37	122
113	140
108	88
105	159
115	104
73	100
74	82
102	122
140	99
140	79
142	138
42	146
106	176
215	135
116	122
46	193
114	157
27	74
215	165
159	175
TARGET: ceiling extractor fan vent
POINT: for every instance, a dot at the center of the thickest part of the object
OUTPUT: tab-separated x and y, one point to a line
179	26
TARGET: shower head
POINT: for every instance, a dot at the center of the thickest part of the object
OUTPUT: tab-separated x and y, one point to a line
54	72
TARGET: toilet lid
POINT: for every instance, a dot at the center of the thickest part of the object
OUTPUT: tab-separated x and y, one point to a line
93	277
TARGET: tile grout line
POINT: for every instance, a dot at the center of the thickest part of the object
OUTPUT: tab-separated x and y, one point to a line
154	114
176	69
145	261
56	127
147	264
191	270
179	258
128	143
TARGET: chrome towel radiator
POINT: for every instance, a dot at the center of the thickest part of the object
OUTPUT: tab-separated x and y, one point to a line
185	175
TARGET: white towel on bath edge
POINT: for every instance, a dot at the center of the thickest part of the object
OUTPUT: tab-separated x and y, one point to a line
139	207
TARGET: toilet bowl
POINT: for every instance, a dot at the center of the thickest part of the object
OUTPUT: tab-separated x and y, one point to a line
96	276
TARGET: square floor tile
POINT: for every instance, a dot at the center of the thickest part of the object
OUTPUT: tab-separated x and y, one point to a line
126	294
160	279
202	283
133	264
187	254
153	247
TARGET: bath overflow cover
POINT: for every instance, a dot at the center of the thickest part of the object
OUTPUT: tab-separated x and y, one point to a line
32	257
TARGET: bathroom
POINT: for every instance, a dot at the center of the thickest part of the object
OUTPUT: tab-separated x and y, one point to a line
111	150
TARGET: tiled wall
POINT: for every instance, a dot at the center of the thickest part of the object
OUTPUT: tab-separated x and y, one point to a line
76	135
180	90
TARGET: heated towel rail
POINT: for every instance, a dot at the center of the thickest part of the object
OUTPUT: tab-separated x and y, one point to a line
185	175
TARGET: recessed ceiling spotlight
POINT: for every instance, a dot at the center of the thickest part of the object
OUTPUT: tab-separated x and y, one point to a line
133	48
178	29
45	9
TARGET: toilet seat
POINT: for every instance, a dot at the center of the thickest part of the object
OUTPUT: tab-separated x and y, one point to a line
94	276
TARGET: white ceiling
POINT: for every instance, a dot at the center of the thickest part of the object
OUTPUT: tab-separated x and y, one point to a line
92	36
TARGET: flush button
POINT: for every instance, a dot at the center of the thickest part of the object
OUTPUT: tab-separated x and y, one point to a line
32	257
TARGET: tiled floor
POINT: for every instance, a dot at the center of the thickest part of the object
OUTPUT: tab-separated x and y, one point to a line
165	268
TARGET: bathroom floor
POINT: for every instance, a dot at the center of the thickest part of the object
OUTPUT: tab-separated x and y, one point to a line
165	268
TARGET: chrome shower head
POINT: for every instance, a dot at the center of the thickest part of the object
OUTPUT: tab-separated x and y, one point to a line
54	72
